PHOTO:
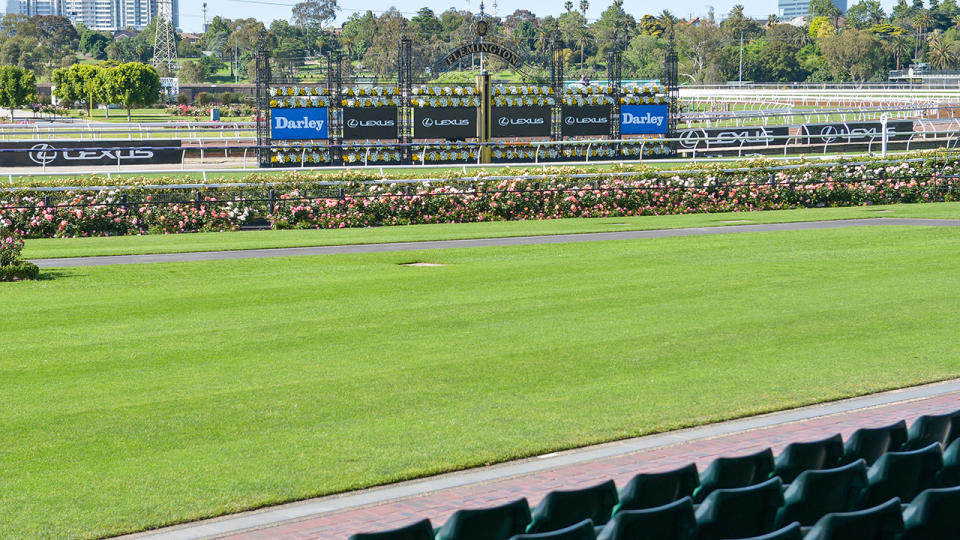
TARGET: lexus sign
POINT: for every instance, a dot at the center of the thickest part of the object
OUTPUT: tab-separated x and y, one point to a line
370	123
456	123
520	121
89	153
582	121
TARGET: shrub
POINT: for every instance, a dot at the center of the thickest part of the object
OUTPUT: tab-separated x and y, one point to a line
11	267
203	98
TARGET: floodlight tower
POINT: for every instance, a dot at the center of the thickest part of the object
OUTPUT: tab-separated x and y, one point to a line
164	44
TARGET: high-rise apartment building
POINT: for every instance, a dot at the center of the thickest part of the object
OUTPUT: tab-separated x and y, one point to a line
107	15
791	9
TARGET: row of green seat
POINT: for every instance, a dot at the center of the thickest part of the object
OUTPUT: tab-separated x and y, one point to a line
825	476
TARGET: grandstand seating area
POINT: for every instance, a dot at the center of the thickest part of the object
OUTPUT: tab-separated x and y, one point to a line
882	483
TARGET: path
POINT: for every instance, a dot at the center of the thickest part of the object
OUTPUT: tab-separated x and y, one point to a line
482	242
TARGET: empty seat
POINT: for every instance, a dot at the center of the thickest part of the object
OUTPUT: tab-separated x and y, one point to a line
949	474
740	512
933	428
790	532
933	515
881	522
421	530
650	490
561	509
496	523
673	521
901	474
734	472
805	456
815	494
578	531
869	444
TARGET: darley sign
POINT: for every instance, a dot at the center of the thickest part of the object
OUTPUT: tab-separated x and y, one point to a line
298	124
643	119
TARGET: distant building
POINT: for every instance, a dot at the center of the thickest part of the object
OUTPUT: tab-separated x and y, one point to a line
109	15
790	9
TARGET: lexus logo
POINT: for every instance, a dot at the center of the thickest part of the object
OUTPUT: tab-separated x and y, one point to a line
829	134
42	154
352	123
427	122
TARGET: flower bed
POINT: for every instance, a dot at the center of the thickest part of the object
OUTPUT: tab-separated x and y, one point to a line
300	201
12	268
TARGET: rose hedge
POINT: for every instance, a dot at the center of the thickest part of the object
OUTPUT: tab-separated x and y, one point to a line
305	202
11	267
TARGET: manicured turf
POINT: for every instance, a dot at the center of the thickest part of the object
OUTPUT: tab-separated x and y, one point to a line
79	247
138	396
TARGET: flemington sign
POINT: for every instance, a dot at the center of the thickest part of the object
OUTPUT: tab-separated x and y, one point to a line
87	153
460	52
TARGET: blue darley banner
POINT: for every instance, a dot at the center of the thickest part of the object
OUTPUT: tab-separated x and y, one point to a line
643	119
295	124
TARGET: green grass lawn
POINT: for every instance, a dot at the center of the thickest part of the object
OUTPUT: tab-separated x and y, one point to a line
129	245
144	395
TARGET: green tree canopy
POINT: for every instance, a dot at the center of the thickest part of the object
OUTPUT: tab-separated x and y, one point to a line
18	87
134	84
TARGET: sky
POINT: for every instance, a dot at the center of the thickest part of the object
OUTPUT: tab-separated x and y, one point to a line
191	15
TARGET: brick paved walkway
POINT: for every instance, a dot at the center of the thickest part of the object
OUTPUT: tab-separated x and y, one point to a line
578	468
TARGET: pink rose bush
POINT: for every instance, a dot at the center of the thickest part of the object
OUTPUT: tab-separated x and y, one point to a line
11	267
299	200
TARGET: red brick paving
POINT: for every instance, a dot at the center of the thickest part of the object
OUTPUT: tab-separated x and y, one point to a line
440	504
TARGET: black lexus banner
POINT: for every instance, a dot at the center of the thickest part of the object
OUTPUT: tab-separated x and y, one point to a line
733	137
520	121
581	121
73	153
851	132
445	122
369	123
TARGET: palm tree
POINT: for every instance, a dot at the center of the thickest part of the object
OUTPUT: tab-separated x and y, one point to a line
772	20
899	47
939	52
921	22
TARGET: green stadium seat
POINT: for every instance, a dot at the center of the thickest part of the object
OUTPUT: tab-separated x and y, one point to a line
739	512
881	522
650	490
495	523
931	428
871	443
933	515
421	530
804	456
815	494
578	531
734	472
790	532
902	475
673	521
561	509
949	474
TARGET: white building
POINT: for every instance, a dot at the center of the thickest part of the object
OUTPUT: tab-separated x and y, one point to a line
107	15
790	9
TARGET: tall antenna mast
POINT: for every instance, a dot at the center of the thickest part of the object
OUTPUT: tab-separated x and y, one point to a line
164	44
204	8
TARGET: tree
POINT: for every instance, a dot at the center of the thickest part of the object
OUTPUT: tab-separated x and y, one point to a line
79	82
135	84
650	26
313	14
192	72
18	87
854	54
777	61
940	52
94	44
824	8
426	24
864	14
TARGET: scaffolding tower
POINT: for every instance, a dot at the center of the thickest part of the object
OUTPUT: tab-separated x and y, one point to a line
164	42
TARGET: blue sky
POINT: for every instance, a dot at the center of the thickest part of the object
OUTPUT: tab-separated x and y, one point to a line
266	10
